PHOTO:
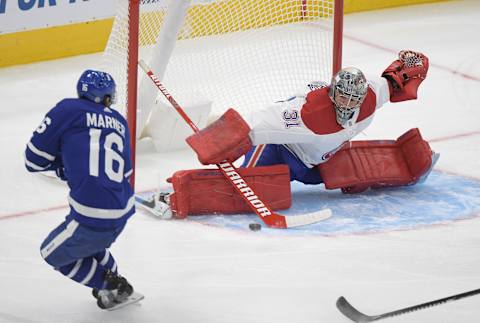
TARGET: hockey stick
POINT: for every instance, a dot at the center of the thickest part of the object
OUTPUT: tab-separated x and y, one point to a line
270	218
353	314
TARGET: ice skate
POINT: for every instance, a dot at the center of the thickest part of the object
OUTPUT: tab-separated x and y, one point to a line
118	293
158	204
119	285
105	298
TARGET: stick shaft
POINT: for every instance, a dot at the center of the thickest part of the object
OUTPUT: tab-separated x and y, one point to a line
355	315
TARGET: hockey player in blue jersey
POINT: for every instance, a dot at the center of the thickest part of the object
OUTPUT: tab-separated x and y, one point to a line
87	144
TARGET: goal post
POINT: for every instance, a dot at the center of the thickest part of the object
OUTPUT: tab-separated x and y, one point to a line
337	36
217	54
132	77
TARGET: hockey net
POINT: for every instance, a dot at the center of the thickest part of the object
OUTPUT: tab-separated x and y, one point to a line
237	53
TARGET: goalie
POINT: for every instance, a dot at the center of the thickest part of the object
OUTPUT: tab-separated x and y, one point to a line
306	138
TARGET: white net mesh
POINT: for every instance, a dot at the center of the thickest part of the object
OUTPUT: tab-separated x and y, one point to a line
238	53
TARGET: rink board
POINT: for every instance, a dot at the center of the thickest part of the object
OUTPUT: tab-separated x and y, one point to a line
443	198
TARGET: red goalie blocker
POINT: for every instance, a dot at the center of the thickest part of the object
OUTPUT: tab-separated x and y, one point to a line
225	139
207	191
378	163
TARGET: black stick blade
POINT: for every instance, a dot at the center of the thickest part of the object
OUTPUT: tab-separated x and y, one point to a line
352	313
356	316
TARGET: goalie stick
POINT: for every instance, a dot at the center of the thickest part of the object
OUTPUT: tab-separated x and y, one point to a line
270	218
356	316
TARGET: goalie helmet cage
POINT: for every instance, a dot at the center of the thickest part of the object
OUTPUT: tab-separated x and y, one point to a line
237	53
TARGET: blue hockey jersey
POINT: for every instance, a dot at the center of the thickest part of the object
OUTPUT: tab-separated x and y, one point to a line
92	144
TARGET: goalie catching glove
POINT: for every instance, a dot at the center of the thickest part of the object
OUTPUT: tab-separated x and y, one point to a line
225	139
405	75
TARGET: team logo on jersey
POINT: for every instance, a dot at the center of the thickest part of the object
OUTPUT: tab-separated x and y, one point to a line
329	154
291	118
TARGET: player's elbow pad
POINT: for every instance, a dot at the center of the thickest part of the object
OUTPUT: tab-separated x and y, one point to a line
34	163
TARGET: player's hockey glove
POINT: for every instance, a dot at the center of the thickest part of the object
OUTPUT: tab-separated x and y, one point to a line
225	139
58	168
405	74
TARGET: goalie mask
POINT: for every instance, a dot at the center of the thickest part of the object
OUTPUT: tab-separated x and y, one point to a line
347	92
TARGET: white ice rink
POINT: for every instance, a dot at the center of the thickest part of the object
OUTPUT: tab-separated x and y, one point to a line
193	272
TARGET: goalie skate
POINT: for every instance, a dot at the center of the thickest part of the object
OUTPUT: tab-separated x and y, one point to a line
435	157
156	204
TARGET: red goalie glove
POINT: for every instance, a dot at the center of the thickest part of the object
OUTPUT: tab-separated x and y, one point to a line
225	139
405	75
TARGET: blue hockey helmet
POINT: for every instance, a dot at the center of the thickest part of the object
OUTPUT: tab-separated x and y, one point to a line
96	85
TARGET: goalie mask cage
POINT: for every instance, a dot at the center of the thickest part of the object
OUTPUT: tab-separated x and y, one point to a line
243	54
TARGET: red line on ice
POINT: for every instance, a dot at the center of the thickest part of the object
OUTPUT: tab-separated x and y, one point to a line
25	213
54	208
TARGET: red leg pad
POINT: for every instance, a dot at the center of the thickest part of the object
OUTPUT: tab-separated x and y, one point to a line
207	191
378	163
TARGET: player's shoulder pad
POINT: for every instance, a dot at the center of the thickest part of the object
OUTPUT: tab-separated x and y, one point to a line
65	103
318	113
64	107
70	104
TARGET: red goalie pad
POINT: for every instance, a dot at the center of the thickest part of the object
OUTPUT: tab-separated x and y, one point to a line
207	191
378	163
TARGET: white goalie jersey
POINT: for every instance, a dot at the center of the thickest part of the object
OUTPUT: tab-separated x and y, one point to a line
306	123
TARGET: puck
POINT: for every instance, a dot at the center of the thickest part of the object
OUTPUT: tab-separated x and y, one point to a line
255	226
